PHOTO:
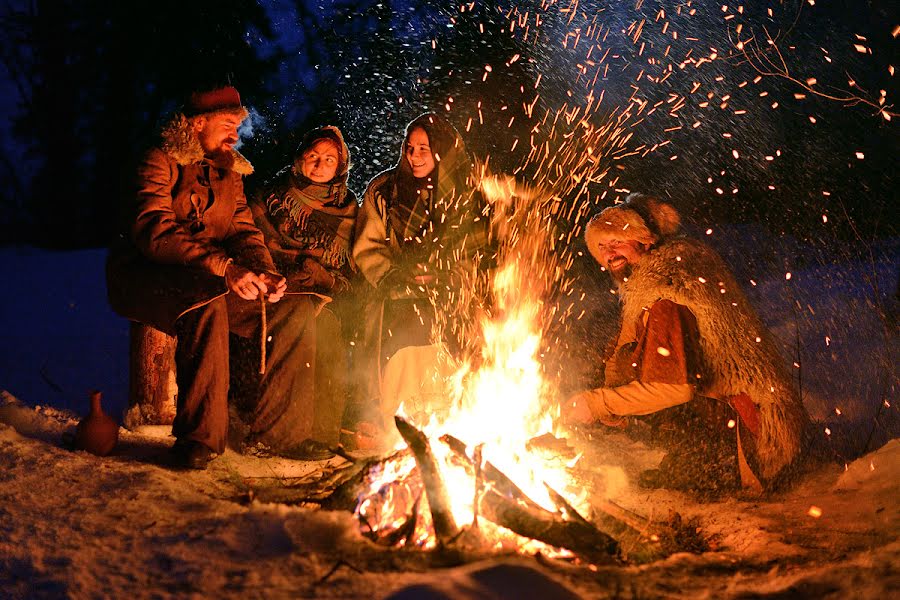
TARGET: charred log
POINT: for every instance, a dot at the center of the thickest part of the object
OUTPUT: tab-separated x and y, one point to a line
346	495
580	537
318	487
445	528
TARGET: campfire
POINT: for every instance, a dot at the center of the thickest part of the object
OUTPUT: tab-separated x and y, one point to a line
489	469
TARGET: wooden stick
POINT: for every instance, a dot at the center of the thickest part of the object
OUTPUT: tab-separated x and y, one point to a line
445	528
567	510
634	532
338	565
633	520
478	484
263	335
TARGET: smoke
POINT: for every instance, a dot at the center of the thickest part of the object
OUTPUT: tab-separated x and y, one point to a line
253	124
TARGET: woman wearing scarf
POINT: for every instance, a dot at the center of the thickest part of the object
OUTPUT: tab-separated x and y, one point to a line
306	214
417	232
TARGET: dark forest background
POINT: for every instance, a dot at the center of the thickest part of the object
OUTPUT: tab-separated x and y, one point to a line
87	83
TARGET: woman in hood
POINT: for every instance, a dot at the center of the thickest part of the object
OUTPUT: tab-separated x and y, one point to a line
417	236
306	214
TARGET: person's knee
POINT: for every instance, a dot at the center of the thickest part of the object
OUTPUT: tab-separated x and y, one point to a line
294	308
212	314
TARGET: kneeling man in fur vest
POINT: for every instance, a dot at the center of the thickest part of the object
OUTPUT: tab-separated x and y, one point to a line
692	353
192	263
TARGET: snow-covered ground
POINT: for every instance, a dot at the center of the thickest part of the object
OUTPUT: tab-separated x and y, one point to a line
74	525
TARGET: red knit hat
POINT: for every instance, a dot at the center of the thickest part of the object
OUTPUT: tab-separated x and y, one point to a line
223	99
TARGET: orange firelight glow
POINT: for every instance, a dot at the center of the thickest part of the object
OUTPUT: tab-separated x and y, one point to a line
502	400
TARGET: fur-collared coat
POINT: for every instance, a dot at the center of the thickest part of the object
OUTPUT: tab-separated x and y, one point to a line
189	218
738	353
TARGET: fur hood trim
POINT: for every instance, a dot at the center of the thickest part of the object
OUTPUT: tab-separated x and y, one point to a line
740	355
180	142
645	219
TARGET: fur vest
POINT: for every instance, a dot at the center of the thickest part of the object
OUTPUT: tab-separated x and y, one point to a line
738	353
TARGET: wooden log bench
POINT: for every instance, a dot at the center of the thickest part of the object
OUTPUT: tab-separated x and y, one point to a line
152	388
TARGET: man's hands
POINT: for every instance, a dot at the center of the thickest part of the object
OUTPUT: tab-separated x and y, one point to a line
575	410
398	279
276	285
422	276
249	285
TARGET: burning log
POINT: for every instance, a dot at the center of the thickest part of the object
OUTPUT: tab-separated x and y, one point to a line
479	484
346	495
624	525
564	507
505	504
333	487
580	537
497	478
445	528
405	532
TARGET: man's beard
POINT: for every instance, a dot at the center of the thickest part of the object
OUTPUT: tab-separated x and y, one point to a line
619	276
221	153
231	143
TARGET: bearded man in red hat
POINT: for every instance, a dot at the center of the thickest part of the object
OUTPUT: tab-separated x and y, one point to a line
692	353
192	263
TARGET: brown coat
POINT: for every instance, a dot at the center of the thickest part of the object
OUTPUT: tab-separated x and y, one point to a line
188	221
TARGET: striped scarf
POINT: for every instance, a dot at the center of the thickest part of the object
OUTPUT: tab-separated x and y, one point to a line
307	218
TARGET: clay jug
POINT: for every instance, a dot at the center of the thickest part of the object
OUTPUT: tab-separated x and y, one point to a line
97	433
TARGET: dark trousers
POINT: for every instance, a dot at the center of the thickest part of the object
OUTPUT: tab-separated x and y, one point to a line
203	366
702	448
